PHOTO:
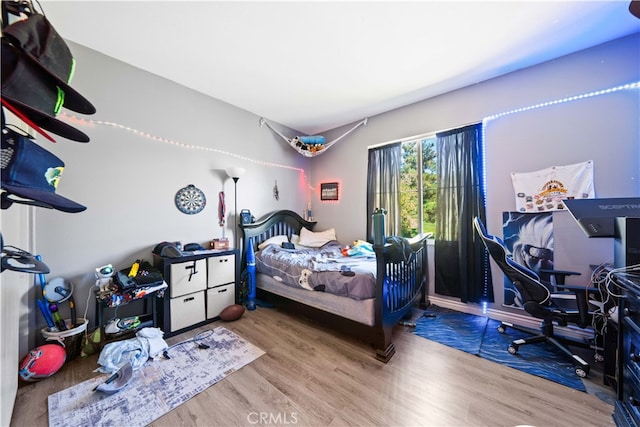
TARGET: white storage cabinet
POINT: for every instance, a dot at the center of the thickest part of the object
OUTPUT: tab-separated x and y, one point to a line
200	287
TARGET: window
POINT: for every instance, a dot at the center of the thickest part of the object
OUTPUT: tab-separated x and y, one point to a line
418	186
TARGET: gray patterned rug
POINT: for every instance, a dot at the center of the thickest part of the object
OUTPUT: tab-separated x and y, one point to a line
157	387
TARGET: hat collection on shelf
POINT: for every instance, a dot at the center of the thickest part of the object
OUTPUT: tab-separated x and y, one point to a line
37	67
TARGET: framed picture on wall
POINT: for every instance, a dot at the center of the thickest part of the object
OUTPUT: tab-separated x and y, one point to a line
329	191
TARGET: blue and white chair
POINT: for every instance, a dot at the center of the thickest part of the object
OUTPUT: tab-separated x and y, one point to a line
558	303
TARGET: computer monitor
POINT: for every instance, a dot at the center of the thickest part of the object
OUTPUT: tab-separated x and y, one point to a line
597	217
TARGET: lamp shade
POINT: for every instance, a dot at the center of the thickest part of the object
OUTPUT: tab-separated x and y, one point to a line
235	172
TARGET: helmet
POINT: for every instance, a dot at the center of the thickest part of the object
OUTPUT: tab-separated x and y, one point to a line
42	362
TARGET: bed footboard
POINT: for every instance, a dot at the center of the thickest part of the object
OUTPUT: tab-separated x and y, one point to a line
400	283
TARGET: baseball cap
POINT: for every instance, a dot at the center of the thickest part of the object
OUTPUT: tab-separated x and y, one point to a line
31	172
24	118
33	93
47	50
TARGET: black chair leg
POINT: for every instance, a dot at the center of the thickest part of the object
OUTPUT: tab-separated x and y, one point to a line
579	362
582	368
504	325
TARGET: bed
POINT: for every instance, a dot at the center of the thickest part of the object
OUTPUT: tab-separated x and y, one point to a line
398	281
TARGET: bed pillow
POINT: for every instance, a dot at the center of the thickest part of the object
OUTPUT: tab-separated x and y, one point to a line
316	239
295	240
277	240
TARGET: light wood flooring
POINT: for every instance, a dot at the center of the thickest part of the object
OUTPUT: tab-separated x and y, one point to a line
311	376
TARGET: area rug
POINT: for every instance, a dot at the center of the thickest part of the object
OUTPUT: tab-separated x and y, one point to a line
157	387
479	335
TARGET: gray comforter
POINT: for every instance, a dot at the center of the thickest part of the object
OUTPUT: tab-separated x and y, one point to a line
323	269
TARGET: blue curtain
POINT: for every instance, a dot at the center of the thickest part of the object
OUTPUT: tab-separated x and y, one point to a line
383	187
461	263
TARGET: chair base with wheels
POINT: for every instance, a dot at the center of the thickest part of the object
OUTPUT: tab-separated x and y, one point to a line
582	368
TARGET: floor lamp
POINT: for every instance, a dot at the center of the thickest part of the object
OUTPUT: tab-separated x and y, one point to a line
235	174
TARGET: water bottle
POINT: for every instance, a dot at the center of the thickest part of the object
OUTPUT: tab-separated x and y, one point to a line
378	226
251	276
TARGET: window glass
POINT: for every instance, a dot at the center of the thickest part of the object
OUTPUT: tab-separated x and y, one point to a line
417	187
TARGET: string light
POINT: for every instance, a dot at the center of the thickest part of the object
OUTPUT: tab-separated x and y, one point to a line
89	122
486	120
634	85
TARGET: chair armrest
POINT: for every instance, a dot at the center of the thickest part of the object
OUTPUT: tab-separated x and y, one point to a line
577	288
581	296
559	275
561	272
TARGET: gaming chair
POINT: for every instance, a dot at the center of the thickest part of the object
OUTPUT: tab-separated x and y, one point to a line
542	302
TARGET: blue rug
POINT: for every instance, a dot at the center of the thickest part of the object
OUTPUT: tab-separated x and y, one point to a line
479	335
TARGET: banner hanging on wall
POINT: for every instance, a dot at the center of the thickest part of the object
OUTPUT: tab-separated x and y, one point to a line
546	189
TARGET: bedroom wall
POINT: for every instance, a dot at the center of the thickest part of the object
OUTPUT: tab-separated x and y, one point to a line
128	181
604	129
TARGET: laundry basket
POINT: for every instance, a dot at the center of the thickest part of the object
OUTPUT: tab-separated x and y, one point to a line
71	339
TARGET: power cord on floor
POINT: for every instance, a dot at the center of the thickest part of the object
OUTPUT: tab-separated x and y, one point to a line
197	339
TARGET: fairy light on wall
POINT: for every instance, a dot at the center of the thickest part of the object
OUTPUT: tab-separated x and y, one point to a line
88	122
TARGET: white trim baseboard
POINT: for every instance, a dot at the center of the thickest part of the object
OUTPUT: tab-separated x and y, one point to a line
525	320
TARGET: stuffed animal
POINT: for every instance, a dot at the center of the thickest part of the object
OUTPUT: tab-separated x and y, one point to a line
304	279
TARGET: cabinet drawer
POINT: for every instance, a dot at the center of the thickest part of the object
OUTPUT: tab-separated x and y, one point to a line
221	270
187	310
188	277
219	298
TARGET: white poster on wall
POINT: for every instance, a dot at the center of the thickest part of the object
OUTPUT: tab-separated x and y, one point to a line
545	190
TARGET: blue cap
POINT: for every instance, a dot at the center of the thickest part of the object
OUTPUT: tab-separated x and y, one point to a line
31	172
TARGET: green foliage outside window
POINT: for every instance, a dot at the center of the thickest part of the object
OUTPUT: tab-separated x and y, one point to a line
410	187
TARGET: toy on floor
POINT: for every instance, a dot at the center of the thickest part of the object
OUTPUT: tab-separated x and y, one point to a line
42	362
233	312
117	381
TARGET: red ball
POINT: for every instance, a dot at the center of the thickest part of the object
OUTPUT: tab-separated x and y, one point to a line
233	312
42	362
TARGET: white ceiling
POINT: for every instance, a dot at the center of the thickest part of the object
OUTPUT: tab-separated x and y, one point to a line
314	66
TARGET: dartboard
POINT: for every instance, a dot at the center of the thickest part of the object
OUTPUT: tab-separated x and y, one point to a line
190	200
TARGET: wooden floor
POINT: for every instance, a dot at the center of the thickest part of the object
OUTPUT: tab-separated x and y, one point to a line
310	376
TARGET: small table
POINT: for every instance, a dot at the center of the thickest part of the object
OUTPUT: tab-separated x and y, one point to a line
118	298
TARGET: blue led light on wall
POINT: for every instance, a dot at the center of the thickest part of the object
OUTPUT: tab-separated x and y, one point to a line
634	85
628	86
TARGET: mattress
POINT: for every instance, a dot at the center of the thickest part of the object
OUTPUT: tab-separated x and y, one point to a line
361	311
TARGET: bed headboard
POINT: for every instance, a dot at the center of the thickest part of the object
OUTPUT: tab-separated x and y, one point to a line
284	222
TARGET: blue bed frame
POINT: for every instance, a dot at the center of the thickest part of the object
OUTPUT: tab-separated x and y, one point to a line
399	285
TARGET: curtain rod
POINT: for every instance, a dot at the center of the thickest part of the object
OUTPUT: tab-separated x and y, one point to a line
421	135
